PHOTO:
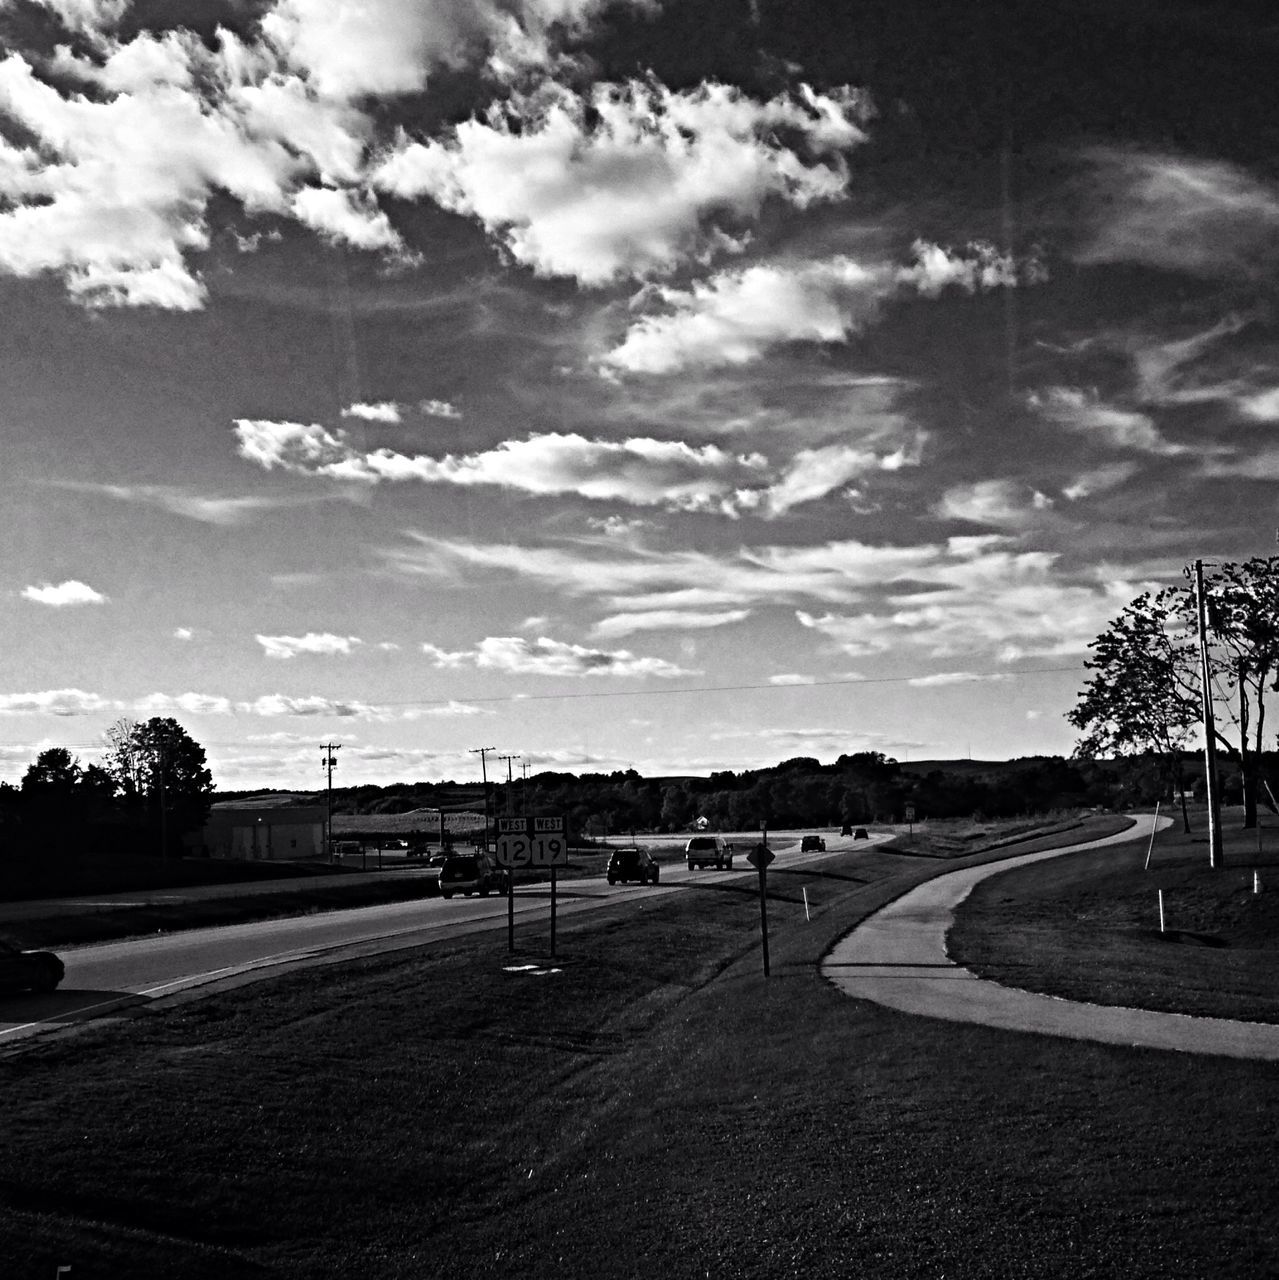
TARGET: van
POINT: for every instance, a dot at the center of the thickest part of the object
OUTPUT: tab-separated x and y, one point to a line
708	851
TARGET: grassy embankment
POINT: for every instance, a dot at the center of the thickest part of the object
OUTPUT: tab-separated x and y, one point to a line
646	1105
1087	928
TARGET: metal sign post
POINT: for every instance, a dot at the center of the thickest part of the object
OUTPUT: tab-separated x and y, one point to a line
530	842
759	858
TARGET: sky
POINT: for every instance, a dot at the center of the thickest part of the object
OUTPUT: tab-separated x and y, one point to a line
678	385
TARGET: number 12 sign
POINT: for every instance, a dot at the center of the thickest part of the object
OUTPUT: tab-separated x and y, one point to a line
531	842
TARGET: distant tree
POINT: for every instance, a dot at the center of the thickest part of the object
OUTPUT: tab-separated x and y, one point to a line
1143	698
55	774
159	767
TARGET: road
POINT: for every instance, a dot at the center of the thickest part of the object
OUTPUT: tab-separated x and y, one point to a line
108	979
897	958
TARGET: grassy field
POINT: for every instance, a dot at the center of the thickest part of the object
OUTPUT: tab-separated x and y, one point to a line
646	1105
1087	927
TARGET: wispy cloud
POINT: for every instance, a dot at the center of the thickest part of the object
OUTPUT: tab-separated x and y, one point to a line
319	642
54	702
1085	412
64	594
516	655
624	624
205	508
279	704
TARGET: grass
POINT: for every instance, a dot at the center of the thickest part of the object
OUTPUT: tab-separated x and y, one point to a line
1087	927
655	1107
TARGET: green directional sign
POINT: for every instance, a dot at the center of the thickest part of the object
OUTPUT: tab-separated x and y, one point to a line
531	842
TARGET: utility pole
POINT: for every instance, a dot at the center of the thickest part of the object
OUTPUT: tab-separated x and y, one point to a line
524	789
1215	857
510	784
164	822
482	752
328	762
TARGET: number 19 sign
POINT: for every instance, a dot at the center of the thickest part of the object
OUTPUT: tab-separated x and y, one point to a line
531	842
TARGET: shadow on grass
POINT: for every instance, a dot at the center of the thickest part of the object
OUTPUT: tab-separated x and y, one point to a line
65	1006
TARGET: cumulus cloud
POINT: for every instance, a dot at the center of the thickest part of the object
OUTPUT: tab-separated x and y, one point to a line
373	411
54	702
634	179
735	316
942	678
313	642
639	470
279	704
995	502
516	655
791	678
439	409
624	624
71	592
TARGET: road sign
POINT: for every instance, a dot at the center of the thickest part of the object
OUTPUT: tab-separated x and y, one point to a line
760	856
531	842
910	813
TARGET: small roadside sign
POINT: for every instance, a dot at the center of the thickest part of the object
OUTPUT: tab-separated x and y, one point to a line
760	856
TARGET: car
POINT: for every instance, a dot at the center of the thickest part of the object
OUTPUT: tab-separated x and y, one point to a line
846	830
861	834
39	971
811	844
469	873
632	863
706	851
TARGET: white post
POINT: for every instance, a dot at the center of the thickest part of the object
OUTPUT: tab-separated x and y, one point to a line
1161	911
1154	826
806	915
1256	881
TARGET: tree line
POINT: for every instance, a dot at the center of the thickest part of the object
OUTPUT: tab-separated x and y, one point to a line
151	789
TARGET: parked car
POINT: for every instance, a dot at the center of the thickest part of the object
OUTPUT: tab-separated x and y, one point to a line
632	864
861	834
29	970
708	851
470	873
812	844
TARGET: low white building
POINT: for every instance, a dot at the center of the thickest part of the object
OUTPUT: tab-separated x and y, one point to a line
268	833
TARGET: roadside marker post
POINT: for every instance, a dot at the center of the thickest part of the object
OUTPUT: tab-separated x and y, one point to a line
759	858
1161	911
1154	826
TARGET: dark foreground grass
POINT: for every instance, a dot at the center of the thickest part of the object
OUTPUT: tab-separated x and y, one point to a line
1086	927
652	1108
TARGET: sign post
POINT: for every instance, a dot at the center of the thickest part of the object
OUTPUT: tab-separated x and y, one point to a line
759	858
530	842
910	818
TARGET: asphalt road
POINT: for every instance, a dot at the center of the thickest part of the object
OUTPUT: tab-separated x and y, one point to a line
107	979
897	958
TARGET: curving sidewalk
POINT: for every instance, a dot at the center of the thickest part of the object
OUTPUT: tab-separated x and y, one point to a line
897	958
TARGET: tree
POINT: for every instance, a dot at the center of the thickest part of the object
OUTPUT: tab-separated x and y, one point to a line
159	766
1142	699
55	774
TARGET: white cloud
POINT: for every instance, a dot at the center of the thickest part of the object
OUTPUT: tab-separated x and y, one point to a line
373	411
791	678
206	508
634	180
313	642
516	655
183	633
994	502
942	678
1098	480
87	16
278	704
639	470
71	592
345	217
1085	412
624	624
439	409
735	316
197	704
54	702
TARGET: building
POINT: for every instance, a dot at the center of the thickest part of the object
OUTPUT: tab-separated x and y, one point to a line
269	833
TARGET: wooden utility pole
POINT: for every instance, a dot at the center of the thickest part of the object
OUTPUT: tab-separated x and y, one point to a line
482	752
510	784
1215	855
329	762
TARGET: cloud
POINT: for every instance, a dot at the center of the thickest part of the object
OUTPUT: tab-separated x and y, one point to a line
313	642
737	315
516	655
439	409
71	592
377	411
345	217
635	179
1205	218
205	508
639	470
943	678
624	624
994	502
1085	412
791	678
1098	480
54	702
279	704
183	633
197	704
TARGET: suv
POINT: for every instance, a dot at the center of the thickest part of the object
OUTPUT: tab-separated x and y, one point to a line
708	851
811	844
39	971
632	864
470	873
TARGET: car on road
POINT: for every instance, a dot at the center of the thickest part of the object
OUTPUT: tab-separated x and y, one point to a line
861	834
632	863
469	873
846	830
708	851
812	844
39	971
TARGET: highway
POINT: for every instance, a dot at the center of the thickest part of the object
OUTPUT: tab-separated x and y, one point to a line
107	979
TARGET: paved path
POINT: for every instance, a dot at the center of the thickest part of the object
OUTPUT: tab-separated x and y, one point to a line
897	958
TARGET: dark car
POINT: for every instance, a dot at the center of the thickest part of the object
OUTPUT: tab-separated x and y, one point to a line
812	844
846	830
632	864
861	834
470	873
29	970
